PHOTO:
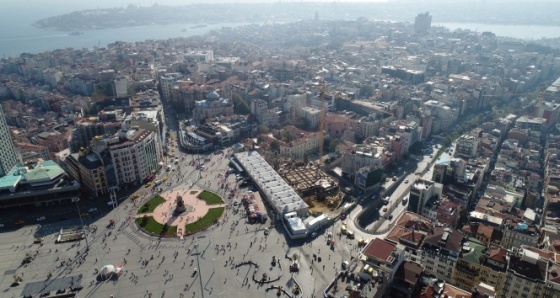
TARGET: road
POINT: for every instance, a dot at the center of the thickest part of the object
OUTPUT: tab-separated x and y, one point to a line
379	218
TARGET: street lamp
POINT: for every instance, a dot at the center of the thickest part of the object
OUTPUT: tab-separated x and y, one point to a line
76	200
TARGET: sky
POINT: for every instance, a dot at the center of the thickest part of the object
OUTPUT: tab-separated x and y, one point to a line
34	9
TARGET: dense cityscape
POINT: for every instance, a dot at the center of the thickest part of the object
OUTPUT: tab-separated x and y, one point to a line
377	159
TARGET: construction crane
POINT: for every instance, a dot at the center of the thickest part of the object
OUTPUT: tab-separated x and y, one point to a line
322	124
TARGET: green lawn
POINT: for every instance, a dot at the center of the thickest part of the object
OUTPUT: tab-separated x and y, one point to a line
151	205
150	225
210	198
207	220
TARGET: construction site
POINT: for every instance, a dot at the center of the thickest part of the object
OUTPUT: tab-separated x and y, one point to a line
319	190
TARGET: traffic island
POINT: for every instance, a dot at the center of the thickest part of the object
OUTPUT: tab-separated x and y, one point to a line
180	211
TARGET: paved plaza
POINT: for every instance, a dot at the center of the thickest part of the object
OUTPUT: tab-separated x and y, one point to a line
195	207
207	264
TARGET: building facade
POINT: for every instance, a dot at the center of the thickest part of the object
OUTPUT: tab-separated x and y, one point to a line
8	157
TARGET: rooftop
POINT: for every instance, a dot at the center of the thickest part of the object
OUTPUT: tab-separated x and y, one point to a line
380	249
473	250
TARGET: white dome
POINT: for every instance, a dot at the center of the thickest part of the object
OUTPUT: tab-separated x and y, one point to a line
212	96
107	270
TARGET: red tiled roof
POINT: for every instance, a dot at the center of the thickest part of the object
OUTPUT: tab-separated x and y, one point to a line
379	249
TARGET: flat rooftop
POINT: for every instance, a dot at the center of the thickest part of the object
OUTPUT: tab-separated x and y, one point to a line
281	196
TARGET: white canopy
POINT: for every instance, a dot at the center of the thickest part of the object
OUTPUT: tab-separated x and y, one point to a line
107	270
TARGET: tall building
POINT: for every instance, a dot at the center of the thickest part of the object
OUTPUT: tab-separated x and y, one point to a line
422	23
8	157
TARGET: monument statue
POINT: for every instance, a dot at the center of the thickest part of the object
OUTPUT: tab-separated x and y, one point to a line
180	207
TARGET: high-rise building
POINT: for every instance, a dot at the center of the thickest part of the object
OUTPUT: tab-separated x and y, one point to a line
8	157
422	23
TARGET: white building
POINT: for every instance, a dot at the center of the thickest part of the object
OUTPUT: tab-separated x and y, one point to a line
135	153
166	81
120	85
212	106
275	190
199	56
312	116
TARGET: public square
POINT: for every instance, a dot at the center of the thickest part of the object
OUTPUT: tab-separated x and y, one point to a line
201	265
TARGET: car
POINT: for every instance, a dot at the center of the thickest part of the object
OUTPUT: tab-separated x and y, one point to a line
158	182
135	196
390	217
41	218
313	235
92	210
1	225
266	231
385	209
406	181
431	155
84	214
343	216
20	222
148	185
111	203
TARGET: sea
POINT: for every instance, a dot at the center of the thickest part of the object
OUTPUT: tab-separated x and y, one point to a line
17	35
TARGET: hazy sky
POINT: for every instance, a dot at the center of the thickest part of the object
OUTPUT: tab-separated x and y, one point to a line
82	4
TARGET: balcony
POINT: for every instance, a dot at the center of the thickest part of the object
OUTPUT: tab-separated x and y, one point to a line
467	270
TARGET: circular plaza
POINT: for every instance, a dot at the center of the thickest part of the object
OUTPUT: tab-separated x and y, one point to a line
180	211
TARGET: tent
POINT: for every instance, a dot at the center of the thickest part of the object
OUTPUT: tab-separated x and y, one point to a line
107	271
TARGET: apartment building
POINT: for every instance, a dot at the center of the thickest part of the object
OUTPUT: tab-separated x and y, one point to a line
441	250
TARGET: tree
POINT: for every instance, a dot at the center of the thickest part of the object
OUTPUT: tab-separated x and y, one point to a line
240	106
287	136
303	124
330	144
275	146
374	177
263	129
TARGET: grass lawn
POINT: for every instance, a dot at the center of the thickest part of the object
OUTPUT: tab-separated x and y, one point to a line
207	220
151	205
150	225
210	198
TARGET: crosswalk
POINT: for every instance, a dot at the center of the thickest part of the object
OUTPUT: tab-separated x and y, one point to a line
135	239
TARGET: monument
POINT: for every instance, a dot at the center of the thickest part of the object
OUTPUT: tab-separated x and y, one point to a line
180	208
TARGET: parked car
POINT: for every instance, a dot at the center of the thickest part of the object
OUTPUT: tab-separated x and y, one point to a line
92	210
41	218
